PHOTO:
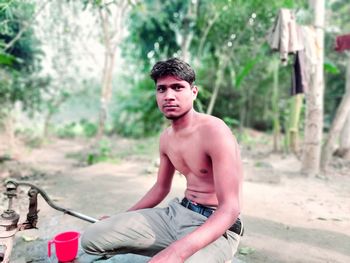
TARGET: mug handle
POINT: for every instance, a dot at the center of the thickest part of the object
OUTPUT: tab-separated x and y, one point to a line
49	243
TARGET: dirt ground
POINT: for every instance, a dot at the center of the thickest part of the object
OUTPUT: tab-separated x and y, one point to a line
288	217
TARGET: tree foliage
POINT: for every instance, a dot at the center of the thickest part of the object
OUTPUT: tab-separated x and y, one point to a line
338	23
225	40
19	63
229	44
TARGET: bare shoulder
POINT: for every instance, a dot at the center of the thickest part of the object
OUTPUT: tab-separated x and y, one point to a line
213	126
164	136
216	135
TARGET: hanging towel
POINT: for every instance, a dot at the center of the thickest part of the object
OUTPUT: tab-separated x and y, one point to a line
284	36
342	43
312	51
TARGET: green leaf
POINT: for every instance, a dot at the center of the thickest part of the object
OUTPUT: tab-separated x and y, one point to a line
245	71
330	67
6	59
231	122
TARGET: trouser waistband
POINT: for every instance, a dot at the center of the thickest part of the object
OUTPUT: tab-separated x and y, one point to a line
237	227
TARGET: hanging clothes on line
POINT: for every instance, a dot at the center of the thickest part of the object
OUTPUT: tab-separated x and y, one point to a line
342	43
312	50
284	36
299	84
289	38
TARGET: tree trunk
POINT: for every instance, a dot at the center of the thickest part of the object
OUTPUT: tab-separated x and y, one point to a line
337	124
25	27
218	82
112	35
47	121
345	133
106	91
185	45
344	140
205	34
186	32
314	101
10	131
51	111
275	109
243	112
108	50
223	62
293	127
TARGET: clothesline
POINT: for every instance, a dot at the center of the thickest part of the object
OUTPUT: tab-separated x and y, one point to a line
287	37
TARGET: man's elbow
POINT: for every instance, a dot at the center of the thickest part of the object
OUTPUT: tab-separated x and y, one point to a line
231	209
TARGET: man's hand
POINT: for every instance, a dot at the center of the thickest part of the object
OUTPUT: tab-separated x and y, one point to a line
168	255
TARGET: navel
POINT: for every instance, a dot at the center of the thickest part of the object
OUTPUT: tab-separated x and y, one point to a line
203	171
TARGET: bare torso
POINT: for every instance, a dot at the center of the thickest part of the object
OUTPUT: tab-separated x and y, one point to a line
186	151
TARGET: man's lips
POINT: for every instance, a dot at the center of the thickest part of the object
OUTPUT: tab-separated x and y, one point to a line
170	106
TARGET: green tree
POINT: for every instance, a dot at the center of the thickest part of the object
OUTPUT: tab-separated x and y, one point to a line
64	36
227	48
337	118
111	16
19	62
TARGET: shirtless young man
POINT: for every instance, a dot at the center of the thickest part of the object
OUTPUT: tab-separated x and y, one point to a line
204	226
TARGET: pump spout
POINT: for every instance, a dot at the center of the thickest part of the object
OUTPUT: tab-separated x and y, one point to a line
9	218
32	209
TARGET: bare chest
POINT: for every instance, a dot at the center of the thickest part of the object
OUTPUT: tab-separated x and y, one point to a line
189	157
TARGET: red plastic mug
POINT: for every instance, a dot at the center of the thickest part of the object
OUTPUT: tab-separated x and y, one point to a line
66	245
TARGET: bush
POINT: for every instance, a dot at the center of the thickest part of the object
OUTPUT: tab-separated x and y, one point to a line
103	153
137	114
83	128
90	129
30	137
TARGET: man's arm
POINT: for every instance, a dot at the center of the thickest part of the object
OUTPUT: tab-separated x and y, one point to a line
224	153
162	186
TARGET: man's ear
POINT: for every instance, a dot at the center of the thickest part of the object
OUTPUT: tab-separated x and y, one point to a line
194	92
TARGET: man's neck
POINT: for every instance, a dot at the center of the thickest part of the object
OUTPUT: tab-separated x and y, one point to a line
184	121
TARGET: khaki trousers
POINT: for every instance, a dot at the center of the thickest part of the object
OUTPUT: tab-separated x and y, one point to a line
148	231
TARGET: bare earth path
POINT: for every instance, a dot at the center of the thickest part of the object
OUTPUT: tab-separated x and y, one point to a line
288	218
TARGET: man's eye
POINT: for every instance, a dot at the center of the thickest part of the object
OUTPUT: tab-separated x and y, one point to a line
160	89
177	88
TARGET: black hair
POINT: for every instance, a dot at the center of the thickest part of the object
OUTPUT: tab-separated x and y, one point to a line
173	67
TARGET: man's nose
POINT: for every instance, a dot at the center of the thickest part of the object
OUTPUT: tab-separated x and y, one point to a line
169	94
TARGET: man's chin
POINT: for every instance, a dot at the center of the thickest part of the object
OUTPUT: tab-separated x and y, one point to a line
172	117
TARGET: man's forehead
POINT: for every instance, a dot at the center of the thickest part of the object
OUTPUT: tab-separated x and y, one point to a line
170	80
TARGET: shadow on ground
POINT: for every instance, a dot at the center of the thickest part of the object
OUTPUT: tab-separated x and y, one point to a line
271	238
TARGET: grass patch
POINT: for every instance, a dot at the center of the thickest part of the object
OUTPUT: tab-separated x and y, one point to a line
114	150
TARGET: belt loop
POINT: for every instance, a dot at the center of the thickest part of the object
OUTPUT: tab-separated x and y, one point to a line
242	228
201	210
187	203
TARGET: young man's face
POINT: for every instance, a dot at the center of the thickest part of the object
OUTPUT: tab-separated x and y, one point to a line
175	96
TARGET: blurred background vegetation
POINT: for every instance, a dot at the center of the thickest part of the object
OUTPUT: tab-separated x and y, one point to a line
81	68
